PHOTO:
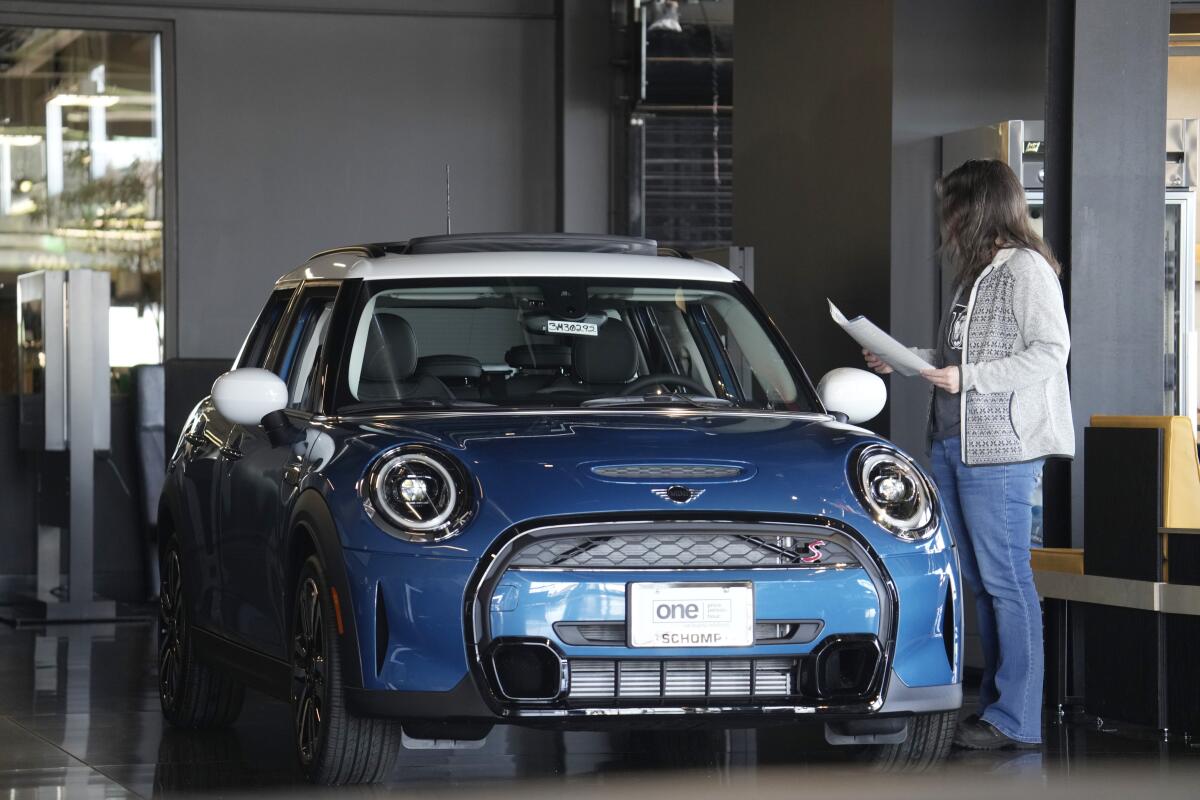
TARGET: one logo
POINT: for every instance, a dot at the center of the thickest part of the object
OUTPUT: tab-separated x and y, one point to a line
678	494
815	554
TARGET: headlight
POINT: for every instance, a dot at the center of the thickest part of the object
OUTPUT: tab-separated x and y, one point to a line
419	495
895	492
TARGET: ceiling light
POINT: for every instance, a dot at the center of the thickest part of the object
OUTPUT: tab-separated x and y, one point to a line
664	16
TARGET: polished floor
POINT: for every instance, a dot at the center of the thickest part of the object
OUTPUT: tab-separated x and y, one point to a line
79	718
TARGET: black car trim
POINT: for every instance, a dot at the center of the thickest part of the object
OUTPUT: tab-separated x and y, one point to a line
311	517
492	565
464	701
252	667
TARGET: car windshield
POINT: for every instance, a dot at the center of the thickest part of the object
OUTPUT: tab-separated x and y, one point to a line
558	342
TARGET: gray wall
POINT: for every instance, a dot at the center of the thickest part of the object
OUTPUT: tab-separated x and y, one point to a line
812	147
1117	276
956	65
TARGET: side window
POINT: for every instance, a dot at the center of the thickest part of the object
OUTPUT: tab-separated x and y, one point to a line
254	350
302	347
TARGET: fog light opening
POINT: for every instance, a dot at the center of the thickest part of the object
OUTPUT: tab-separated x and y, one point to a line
527	671
845	668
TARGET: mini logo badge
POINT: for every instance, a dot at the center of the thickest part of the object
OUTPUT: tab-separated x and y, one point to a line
678	494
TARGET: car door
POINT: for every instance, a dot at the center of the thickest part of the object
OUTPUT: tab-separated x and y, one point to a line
204	436
259	483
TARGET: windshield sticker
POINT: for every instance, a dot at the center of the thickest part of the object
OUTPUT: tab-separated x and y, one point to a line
572	328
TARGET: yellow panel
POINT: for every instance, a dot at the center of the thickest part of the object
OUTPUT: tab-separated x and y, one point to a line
1057	559
1181	471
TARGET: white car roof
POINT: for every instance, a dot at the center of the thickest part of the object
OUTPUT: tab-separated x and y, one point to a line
340	265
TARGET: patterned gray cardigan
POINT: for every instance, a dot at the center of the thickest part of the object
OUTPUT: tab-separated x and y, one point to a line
1015	402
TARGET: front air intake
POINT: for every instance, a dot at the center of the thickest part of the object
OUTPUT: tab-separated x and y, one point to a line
528	671
842	669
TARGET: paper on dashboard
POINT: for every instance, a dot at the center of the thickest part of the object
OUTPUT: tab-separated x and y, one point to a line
871	337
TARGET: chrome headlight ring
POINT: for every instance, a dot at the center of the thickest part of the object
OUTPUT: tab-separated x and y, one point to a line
894	492
418	494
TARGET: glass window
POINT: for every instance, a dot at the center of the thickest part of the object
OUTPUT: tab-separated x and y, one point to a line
254	351
302	348
81	176
566	342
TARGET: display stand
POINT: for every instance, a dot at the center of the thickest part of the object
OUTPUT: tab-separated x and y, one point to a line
63	333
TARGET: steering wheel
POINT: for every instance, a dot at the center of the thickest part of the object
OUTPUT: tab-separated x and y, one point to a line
663	379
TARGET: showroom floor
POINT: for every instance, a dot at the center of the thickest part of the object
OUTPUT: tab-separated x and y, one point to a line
79	718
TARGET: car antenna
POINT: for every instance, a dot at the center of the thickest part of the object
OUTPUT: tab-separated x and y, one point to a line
447	198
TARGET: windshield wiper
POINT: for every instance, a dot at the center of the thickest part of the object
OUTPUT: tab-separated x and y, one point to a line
659	399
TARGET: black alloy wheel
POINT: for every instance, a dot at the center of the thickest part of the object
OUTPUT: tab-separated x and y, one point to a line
334	745
193	693
170	631
310	686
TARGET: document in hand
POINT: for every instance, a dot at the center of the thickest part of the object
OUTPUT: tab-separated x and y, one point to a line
869	335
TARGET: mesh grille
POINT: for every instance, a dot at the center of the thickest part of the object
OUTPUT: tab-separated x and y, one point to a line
667	472
680	551
630	680
600	633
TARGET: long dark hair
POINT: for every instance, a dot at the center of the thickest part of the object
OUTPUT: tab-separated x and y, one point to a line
984	210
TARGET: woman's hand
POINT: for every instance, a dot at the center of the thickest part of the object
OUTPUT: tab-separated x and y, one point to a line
946	378
876	363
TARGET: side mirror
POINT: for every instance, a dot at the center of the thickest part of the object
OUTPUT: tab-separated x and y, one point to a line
858	394
244	396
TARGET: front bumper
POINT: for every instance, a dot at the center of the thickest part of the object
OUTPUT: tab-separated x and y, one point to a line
444	616
465	703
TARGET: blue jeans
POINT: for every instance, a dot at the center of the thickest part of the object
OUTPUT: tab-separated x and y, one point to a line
991	515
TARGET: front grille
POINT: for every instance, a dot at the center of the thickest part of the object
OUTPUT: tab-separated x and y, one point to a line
596	679
682	551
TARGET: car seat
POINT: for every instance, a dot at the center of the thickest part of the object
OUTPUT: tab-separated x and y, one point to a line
537	365
602	364
460	374
390	364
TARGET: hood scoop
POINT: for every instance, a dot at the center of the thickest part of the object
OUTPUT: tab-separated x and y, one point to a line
657	473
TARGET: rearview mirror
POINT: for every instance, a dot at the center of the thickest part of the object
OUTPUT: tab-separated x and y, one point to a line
858	394
244	396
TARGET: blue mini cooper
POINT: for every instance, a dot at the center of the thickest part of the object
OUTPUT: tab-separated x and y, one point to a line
561	481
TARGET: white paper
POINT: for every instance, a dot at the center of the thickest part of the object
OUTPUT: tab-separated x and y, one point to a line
869	335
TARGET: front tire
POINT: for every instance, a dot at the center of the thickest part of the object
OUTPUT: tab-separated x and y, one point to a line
334	746
928	743
192	694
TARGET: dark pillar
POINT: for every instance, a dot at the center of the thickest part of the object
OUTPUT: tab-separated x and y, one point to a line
812	145
1118	130
584	85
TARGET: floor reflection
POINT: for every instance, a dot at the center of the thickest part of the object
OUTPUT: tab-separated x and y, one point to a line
79	718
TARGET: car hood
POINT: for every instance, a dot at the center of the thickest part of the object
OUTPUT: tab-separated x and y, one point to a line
586	464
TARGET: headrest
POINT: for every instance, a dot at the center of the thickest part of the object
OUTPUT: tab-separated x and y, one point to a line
449	366
391	352
539	356
608	357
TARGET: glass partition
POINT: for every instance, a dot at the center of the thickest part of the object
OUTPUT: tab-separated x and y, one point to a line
81	176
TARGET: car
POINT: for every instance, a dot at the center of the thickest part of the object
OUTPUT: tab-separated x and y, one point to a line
562	481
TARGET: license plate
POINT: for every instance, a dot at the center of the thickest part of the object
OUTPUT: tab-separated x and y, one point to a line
690	614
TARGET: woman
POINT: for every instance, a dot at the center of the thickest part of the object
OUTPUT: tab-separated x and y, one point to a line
1000	406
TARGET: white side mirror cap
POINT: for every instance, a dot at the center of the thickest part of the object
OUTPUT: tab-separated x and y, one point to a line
858	394
244	396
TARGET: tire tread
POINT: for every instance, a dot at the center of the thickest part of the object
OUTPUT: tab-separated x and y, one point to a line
929	739
356	749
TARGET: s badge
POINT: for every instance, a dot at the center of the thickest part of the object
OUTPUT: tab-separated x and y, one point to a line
815	553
